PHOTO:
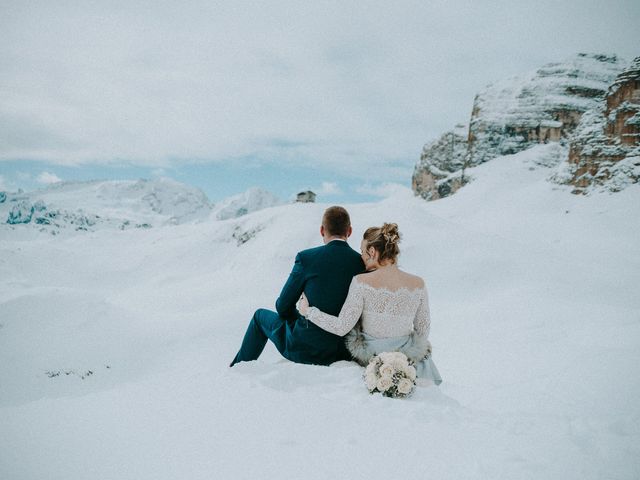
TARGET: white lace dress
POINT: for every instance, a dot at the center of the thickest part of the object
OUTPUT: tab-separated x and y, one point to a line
389	320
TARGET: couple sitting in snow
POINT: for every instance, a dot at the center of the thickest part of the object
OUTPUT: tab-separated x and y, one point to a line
340	305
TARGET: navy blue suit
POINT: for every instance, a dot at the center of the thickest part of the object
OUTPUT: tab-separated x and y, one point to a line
324	275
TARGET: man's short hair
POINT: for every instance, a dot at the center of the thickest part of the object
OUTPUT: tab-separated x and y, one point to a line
336	221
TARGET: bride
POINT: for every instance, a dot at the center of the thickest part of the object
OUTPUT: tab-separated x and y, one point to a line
386	309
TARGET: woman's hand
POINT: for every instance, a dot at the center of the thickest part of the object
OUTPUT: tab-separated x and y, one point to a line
303	305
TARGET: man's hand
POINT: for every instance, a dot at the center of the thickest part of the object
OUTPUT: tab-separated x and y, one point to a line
303	305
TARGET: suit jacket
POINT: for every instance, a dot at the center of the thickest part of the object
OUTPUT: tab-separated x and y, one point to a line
324	275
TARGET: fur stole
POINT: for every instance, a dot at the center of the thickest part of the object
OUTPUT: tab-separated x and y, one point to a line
415	347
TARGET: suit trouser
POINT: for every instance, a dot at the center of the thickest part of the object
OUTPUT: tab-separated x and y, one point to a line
264	325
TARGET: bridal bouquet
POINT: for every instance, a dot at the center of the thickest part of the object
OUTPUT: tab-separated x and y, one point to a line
390	374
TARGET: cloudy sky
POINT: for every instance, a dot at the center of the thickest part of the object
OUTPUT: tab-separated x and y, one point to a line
335	96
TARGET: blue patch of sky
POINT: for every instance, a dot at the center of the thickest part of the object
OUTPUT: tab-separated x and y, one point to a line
217	180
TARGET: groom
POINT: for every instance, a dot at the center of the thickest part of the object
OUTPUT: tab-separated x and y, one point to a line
324	275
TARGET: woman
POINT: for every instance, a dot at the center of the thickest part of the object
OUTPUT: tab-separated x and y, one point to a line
388	307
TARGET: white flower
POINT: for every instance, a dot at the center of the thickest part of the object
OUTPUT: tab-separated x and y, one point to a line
400	363
405	386
387	357
384	383
410	372
371	380
371	368
387	370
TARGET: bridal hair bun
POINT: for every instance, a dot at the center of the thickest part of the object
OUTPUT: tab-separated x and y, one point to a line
385	240
390	233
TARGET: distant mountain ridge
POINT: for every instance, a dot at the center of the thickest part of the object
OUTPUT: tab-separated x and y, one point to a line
122	204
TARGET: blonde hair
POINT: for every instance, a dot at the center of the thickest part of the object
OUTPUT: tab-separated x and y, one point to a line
385	240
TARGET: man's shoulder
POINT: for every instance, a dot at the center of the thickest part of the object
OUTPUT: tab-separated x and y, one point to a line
311	252
338	247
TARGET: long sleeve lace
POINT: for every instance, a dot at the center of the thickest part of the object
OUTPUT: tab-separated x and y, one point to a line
349	314
422	321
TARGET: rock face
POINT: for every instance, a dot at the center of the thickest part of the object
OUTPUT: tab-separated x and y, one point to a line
605	151
21	212
439	171
514	114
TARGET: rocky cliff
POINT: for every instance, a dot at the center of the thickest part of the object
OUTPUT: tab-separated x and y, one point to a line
439	171
553	104
605	152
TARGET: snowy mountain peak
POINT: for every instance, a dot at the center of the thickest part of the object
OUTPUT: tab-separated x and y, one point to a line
122	204
250	201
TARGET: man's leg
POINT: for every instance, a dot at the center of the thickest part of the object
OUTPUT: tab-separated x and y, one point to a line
265	325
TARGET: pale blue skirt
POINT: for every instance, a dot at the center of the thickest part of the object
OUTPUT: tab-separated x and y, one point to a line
425	368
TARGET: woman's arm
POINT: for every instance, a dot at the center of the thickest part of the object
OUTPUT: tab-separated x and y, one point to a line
348	317
422	321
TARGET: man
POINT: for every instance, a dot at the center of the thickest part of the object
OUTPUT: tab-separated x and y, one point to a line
324	275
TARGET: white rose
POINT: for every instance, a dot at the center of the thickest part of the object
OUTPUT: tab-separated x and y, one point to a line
384	383
400	364
371	381
405	386
371	368
387	370
387	357
410	371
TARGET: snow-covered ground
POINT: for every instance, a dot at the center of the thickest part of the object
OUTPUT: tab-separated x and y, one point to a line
114	345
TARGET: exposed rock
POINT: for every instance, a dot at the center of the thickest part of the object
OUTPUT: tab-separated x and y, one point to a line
21	212
439	171
3	197
546	106
605	152
243	236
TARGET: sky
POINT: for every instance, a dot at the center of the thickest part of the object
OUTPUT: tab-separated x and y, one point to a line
337	97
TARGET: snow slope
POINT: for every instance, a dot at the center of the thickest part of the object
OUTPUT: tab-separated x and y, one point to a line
114	345
252	200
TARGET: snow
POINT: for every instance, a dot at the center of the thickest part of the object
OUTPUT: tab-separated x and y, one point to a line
252	200
535	327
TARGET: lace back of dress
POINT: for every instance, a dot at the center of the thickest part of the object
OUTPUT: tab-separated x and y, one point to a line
389	313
